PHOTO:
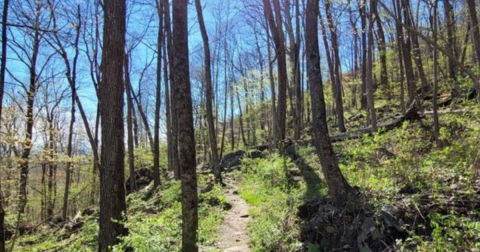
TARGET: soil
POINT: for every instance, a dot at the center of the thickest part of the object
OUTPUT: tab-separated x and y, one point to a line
233	236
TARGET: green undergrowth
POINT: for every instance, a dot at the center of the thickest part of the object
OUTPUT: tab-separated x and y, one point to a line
439	183
154	223
273	196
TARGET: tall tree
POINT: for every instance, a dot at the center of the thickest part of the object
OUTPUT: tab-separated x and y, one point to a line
276	27
451	38
335	66
186	139
338	187
173	102
3	67
209	94
369	77
436	124
475	34
112	189
158	96
130	146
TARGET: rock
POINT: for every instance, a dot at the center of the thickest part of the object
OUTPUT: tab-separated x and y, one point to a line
204	168
409	188
234	160
388	213
143	177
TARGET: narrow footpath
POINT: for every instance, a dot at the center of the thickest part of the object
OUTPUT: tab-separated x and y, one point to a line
233	236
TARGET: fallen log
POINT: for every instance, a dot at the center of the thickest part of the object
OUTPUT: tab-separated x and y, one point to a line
468	94
448	111
412	114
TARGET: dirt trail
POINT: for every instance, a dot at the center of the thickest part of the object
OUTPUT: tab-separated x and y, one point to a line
233	236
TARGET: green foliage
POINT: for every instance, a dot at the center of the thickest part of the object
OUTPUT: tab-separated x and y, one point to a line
153	220
450	233
272	200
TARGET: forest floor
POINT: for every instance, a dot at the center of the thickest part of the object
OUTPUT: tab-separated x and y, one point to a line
233	235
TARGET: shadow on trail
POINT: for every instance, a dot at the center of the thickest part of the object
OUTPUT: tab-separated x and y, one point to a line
310	176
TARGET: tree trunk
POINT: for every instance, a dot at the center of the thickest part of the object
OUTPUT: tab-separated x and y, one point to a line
436	124
3	67
158	99
451	37
112	189
173	107
382	46
276	27
186	139
363	19
338	187
369	77
475	36
130	146
209	95
407	52
69	166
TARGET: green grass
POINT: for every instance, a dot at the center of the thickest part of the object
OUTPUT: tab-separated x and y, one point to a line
154	223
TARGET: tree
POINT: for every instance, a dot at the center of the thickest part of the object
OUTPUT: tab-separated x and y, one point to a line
338	187
436	124
369	76
111	91
209	94
475	34
158	97
186	139
335	65
276	28
3	67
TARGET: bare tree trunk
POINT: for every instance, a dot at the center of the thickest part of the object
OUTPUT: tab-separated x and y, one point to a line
68	172
338	187
369	77
279	41
209	95
168	116
186	137
130	146
382	46
337	70
475	36
436	124
3	67
363	18
407	57
451	38
158	101
173	107
416	46
112	189
272	86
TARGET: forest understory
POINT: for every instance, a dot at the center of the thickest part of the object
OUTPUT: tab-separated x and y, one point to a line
414	194
239	125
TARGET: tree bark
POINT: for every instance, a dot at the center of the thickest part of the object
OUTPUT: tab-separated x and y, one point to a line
3	67
369	77
451	38
276	27
338	187
173	107
436	124
186	139
158	99
112	189
130	146
475	36
382	46
209	94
